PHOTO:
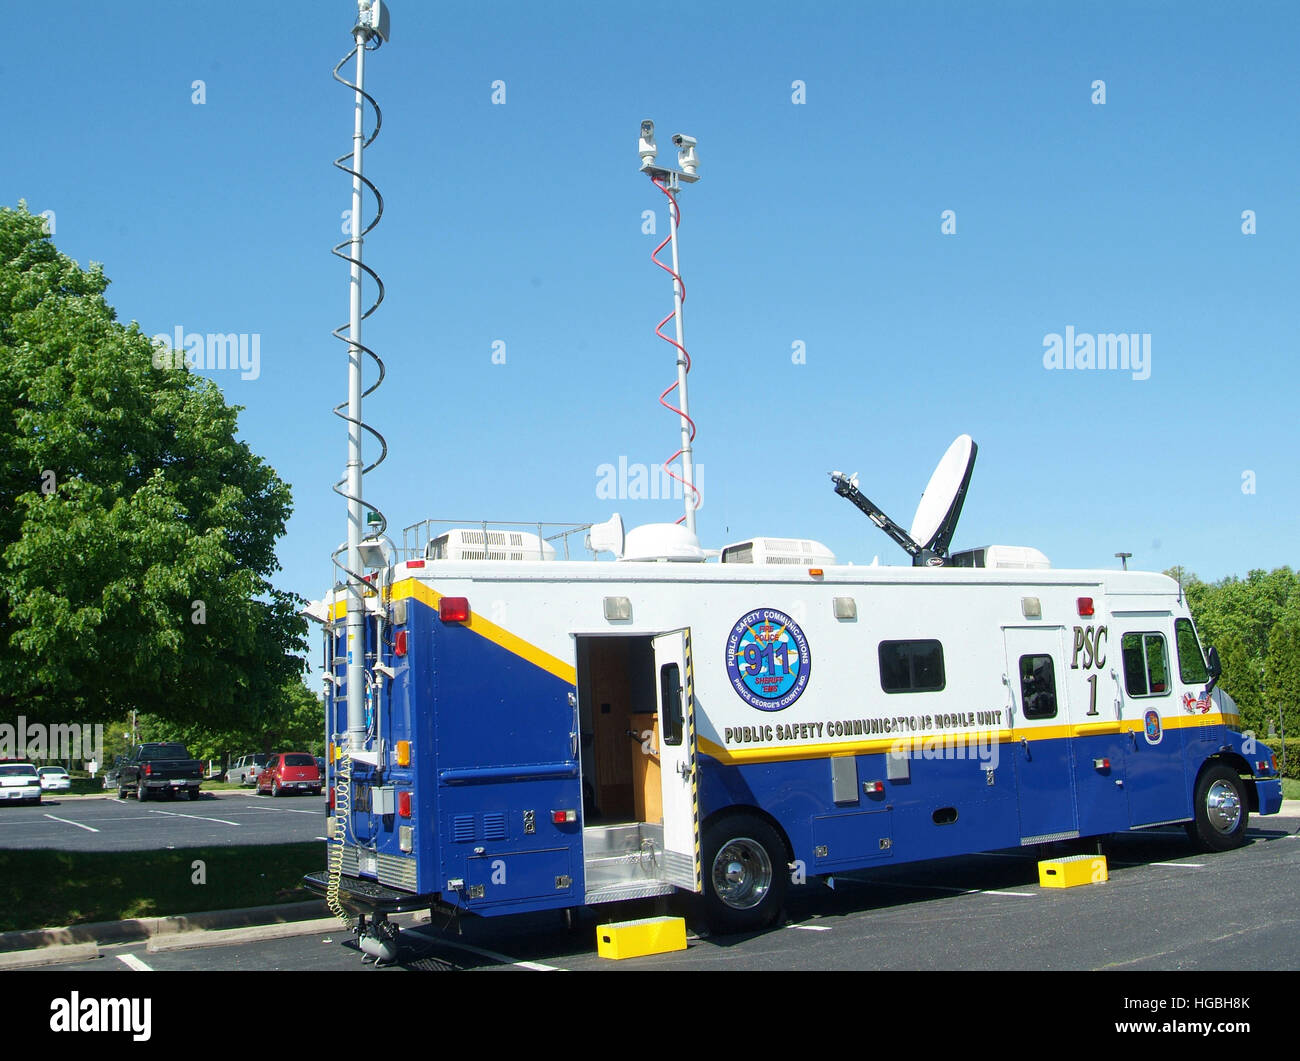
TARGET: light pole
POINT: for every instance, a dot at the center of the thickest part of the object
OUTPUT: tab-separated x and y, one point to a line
1123	559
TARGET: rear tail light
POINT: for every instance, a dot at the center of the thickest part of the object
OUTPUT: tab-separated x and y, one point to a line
399	643
404	804
454	609
148	769
564	817
331	800
1085	606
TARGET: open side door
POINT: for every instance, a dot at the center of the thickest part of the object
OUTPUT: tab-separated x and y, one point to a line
679	776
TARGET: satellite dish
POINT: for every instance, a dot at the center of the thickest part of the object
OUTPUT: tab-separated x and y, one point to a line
940	508
607	537
937	514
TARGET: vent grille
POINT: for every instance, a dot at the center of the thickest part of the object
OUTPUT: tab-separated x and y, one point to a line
396	872
469	544
462	828
494	827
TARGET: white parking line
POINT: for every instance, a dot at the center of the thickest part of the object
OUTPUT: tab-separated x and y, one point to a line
811	928
199	817
502	958
77	824
132	962
943	888
1181	865
286	810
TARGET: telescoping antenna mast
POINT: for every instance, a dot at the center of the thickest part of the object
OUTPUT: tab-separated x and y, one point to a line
669	181
369	33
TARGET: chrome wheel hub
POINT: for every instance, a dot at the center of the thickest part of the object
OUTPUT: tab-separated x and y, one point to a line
1223	806
742	873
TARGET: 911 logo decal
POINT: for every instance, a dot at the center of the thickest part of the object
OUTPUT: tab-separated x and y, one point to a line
768	659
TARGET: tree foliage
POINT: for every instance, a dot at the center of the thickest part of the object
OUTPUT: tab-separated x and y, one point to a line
128	510
1255	624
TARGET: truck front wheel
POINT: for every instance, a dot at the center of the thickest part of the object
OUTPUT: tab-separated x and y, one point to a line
744	874
1222	810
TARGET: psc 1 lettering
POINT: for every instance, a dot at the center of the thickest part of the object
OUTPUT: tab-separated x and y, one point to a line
1088	640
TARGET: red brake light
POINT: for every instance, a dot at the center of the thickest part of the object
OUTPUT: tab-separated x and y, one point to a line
404	804
148	769
399	643
1085	606
331	799
411	564
454	609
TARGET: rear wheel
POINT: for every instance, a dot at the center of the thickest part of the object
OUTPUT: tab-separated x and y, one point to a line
1222	810
744	874
140	792
121	791
275	788
194	792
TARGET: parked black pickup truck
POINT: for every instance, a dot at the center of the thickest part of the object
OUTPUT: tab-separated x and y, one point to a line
156	768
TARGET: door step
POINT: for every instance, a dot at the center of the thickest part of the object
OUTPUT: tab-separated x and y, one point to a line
623	861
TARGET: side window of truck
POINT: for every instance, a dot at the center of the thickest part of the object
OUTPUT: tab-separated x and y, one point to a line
670	699
911	666
1191	662
1146	664
1038	686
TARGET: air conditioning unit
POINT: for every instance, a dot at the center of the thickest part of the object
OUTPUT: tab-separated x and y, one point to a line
1012	557
470	544
801	551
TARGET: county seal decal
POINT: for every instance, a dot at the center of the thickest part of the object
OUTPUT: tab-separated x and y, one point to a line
1151	725
768	659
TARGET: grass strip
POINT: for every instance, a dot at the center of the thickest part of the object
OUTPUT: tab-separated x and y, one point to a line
49	889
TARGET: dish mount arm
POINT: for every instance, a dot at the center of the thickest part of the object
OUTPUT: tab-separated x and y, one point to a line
847	487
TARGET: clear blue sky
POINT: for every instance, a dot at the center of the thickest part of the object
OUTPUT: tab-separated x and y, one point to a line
816	223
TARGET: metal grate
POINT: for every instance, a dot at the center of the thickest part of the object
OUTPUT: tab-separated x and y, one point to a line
462	828
494	827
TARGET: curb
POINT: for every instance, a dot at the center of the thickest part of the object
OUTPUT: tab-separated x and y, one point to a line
252	934
19	948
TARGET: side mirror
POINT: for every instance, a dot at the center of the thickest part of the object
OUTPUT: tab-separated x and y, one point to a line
1214	667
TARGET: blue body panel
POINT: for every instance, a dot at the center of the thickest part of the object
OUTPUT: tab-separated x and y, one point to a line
494	755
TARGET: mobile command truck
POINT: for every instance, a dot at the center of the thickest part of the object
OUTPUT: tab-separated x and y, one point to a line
554	733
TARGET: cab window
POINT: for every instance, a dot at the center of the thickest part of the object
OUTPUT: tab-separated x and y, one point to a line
1191	662
1146	664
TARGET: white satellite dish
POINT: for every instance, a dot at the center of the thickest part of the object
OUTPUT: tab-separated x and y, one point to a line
937	514
607	537
940	507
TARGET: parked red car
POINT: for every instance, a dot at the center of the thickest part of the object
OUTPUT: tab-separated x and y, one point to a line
290	772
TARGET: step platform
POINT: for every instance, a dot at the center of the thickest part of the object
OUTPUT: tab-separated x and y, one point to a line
636	939
1072	871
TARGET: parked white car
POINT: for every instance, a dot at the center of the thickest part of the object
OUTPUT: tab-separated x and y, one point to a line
21	782
54	779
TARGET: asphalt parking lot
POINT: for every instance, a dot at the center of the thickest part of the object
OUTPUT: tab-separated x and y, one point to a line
1165	908
227	819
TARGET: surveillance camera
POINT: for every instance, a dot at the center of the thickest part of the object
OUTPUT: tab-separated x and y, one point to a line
647	147
687	158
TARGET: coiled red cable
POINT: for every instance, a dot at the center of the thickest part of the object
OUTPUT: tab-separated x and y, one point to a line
686	357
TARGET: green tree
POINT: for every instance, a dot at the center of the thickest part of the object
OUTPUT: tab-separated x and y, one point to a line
138	533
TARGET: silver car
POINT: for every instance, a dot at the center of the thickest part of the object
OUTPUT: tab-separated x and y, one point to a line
21	782
244	770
